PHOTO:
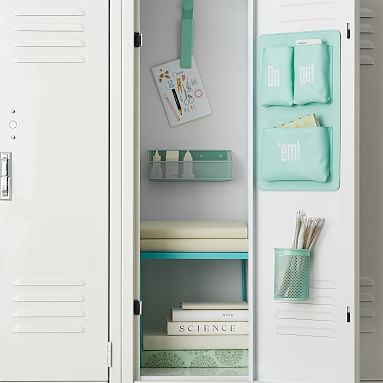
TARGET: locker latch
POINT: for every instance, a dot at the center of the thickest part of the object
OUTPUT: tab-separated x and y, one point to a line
348	31
137	39
137	307
5	176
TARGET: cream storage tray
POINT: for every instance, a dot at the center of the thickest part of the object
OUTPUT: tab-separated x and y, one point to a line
194	236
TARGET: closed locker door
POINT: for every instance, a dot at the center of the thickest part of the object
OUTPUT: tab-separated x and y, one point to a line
54	217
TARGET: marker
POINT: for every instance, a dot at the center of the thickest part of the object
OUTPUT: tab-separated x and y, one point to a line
177	101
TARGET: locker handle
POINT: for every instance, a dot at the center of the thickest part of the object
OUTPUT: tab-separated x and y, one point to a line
5	178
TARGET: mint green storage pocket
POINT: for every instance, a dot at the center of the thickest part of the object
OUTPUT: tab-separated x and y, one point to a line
296	154
277	76
312	74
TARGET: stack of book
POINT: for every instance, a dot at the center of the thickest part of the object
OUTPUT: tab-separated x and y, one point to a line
200	335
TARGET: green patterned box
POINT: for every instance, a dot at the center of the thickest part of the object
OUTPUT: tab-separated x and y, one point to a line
195	359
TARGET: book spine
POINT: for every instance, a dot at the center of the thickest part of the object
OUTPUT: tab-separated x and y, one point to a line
210	315
207	328
196	358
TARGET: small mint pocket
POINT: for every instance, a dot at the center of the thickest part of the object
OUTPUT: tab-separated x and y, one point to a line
296	154
277	76
312	74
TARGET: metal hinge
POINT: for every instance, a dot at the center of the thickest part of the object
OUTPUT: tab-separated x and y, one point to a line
137	39
137	307
109	354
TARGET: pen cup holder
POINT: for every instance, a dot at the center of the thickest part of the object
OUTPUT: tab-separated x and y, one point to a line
292	274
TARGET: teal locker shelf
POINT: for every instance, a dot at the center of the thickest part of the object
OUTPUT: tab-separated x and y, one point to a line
197	256
155	255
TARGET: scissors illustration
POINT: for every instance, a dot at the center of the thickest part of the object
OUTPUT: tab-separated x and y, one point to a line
189	99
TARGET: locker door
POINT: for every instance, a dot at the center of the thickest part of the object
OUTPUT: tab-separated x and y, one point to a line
315	340
54	229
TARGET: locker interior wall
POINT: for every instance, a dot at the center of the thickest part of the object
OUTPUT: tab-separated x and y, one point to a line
220	49
220	43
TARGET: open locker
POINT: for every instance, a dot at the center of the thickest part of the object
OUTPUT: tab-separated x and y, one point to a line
195	215
310	341
121	198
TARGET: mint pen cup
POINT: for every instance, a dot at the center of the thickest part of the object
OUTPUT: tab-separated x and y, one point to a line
292	275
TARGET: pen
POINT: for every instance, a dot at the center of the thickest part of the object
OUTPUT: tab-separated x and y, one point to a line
177	101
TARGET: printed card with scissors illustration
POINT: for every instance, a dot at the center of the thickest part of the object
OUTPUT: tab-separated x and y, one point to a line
182	92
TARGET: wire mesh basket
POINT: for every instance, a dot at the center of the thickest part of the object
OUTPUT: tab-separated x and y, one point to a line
292	274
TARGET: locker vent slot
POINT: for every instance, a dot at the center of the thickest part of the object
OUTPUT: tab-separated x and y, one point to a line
315	15
366	13
55	281
50	28
365	281
367	329
307	331
48	36
367	306
315	318
367	313
47	43
48	297
38	329
367	29
49	60
48	305
367	297
367	32
49	12
47	313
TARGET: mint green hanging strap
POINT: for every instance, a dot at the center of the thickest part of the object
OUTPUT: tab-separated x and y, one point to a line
187	34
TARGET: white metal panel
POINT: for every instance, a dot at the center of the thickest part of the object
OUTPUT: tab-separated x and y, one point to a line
292	345
371	283
54	232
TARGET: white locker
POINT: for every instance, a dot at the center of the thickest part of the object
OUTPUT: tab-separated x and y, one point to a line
54	229
79	110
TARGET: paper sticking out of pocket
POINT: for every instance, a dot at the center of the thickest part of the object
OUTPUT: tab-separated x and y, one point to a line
310	121
309	42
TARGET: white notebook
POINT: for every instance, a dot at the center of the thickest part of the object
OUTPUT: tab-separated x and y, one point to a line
158	340
214	306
